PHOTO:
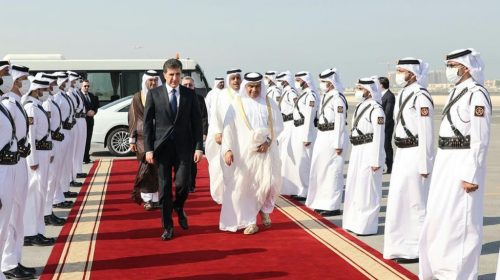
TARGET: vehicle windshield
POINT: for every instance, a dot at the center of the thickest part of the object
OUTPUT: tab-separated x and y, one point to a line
115	102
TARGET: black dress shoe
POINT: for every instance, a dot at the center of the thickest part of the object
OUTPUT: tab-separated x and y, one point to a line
75	184
168	234
300	198
35	240
63	205
183	221
319	211
58	218
330	213
88	161
81	175
69	194
48	239
403	260
18	273
27	269
53	220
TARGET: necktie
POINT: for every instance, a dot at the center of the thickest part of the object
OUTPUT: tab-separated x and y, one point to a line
173	103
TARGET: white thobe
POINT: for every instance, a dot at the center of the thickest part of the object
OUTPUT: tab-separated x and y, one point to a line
14	244
66	147
254	179
286	104
274	92
219	104
81	134
58	148
305	108
211	100
7	186
408	189
34	222
74	135
452	233
363	185
326	179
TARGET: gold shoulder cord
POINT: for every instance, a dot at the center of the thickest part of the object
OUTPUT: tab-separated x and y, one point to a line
269	113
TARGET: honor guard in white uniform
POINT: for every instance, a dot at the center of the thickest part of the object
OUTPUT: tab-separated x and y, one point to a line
304	133
80	126
9	158
219	105
41	155
273	90
286	104
452	233
67	118
11	261
59	147
211	97
410	179
326	179
364	175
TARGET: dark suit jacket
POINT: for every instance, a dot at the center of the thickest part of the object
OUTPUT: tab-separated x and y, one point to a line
93	104
161	128
388	102
204	113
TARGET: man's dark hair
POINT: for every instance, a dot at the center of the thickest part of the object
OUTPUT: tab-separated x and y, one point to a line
172	64
384	82
86	81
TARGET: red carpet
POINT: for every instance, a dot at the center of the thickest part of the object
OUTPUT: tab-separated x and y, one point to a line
117	239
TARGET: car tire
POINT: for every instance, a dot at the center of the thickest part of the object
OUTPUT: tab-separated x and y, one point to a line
117	142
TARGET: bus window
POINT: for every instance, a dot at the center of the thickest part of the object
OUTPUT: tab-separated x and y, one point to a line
199	83
131	82
105	85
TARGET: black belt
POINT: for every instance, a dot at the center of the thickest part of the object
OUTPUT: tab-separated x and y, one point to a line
56	135
288	117
43	145
298	122
326	126
80	115
23	150
67	125
406	142
362	139
454	142
7	157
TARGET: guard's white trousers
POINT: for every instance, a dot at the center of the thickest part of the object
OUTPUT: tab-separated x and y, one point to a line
7	197
15	234
55	175
37	191
81	138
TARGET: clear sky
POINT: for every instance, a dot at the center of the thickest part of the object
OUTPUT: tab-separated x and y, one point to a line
360	38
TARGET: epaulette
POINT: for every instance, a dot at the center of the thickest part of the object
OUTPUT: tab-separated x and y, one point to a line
423	92
480	89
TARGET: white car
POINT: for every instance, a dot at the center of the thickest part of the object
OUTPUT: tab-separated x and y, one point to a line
111	126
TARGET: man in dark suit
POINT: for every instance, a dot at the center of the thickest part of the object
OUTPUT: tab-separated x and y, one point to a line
188	82
91	103
388	101
172	134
